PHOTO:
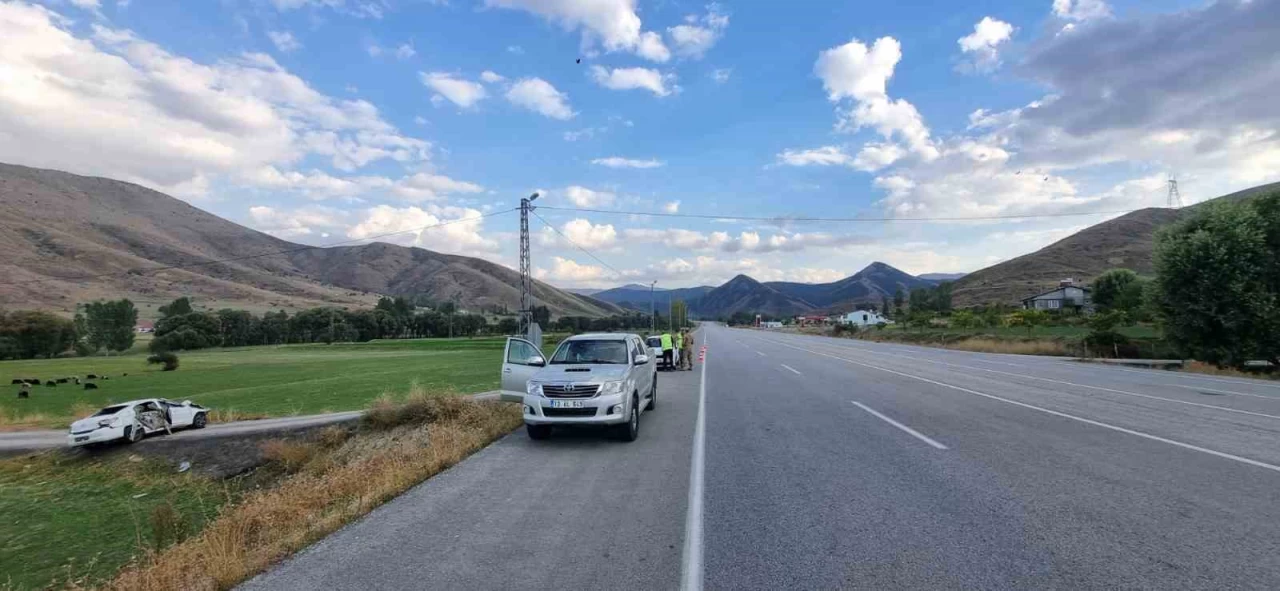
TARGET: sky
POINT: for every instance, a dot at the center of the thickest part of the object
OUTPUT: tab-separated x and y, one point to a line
325	121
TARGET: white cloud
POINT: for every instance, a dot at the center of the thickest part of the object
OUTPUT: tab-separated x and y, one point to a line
163	120
584	197
515	49
420	120
750	241
373	49
875	156
317	184
405	51
425	187
861	73
357	8
635	78
87	4
610	24
284	41
824	156
460	237
458	91
699	34
539	96
491	77
652	48
584	133
671	207
572	272
721	75
1081	10
582	233
983	44
620	162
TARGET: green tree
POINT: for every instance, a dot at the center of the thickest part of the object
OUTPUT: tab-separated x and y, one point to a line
541	315
1217	286
177	307
1119	289
1027	318
966	319
111	324
884	305
26	334
898	299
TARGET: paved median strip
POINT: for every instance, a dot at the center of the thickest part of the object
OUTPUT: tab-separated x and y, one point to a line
904	428
1064	415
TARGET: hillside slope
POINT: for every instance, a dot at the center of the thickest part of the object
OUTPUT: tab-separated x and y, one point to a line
69	239
744	294
871	284
1127	241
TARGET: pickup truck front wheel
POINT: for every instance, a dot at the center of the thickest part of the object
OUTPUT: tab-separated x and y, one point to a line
630	430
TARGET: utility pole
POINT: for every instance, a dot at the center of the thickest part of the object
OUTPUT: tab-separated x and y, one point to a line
1175	198
670	317
526	279
652	319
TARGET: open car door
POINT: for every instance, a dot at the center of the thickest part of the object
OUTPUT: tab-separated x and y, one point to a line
520	361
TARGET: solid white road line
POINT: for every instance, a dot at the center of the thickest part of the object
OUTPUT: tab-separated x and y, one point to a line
760	354
1190	376
790	369
1099	388
1055	413
904	428
691	567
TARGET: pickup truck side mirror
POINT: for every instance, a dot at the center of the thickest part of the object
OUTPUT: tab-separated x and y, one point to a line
536	361
642	359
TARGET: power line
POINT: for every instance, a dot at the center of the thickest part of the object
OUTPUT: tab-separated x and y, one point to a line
575	244
141	271
821	219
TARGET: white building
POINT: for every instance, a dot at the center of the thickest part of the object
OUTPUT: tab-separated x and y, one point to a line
771	324
864	318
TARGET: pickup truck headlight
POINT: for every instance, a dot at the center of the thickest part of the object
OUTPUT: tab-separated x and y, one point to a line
612	387
534	389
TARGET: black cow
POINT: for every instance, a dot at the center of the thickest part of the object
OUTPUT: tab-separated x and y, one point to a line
91	377
63	380
51	384
32	381
89	386
16	381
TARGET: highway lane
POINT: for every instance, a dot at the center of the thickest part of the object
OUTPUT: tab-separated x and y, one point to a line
830	463
1020	498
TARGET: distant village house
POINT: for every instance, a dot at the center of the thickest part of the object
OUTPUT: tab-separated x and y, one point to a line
863	318
1067	295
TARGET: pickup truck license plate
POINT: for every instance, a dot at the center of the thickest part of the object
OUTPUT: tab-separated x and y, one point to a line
85	438
567	404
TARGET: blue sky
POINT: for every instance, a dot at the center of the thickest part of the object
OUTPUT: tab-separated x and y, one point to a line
328	120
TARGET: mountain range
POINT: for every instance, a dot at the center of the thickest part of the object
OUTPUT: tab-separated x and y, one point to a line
70	239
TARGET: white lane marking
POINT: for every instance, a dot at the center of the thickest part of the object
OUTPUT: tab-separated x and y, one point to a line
1064	415
790	369
691	571
1177	374
904	428
760	354
1100	388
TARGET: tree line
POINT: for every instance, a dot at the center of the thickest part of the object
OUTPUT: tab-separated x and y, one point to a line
97	326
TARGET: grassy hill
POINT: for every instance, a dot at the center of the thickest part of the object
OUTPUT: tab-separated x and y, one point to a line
70	238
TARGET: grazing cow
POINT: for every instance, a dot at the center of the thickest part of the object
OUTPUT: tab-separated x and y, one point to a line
91	377
124	375
63	380
76	380
25	392
51	384
105	378
89	386
32	381
16	381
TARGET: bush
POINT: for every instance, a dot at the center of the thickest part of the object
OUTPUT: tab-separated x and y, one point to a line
169	360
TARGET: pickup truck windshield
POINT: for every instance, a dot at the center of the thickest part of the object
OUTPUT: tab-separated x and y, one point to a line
594	352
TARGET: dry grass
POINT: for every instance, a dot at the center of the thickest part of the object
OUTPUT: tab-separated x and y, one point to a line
10	421
338	478
1036	347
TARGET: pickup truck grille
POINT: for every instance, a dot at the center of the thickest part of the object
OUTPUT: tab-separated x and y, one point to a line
569	412
570	390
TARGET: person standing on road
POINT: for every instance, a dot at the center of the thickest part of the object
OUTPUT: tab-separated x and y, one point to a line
686	354
666	350
679	349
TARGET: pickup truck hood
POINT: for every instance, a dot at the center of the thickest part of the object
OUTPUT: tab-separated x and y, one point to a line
583	374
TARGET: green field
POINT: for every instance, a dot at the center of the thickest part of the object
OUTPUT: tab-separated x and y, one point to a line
272	380
78	519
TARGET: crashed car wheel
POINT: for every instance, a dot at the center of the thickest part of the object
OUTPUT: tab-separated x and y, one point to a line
133	434
199	421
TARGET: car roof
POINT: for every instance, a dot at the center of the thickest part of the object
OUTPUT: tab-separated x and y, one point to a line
134	402
601	336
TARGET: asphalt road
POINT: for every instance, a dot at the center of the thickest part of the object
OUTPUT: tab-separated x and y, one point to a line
826	464
19	441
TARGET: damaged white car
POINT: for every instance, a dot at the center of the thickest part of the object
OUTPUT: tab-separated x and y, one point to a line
133	420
